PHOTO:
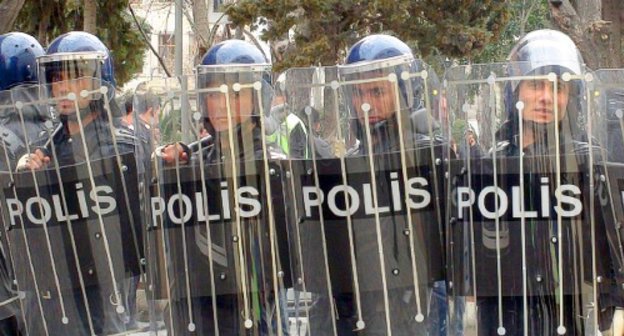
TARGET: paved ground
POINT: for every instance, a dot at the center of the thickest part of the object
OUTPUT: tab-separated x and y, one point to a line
299	329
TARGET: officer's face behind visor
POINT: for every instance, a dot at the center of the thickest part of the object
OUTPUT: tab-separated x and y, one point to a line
375	88
228	98
540	97
378	96
72	78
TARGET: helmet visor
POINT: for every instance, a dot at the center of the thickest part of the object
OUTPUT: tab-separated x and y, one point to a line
82	69
383	98
229	96
63	66
392	81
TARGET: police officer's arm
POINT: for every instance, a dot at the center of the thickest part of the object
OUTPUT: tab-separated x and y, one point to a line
34	161
168	153
275	118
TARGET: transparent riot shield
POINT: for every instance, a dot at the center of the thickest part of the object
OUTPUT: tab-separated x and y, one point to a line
365	233
13	136
298	124
142	116
527	246
216	206
12	147
608	98
72	218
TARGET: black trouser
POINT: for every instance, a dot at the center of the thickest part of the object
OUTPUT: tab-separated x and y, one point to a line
44	313
230	317
9	327
402	310
543	316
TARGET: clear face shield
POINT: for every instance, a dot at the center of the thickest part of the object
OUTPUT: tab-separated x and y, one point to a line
73	81
231	95
526	228
366	253
548	108
386	99
608	98
215	214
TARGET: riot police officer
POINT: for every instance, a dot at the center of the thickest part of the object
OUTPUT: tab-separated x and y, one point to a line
18	71
233	85
544	120
215	115
530	56
77	75
385	95
89	67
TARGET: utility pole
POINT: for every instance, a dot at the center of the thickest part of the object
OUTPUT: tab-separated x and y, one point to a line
185	118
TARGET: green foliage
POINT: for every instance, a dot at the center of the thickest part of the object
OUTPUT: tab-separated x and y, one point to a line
458	129
170	123
526	16
324	29
48	19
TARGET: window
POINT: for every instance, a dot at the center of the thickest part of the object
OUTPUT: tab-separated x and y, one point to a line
217	5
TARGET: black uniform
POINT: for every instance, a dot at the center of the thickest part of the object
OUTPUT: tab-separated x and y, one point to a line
103	144
541	249
14	145
225	263
428	246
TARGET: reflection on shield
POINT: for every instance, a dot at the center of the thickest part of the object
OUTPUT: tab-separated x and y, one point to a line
365	221
16	131
216	206
74	232
609	106
529	241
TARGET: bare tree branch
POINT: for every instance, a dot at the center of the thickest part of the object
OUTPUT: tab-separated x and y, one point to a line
149	44
526	14
254	40
195	26
213	30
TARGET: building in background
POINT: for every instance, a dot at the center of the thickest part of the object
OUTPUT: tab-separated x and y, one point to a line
160	15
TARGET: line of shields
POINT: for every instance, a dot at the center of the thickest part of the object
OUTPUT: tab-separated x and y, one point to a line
327	201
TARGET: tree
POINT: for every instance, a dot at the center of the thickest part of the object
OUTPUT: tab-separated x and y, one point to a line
8	13
90	16
525	16
324	29
596	26
48	19
201	27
